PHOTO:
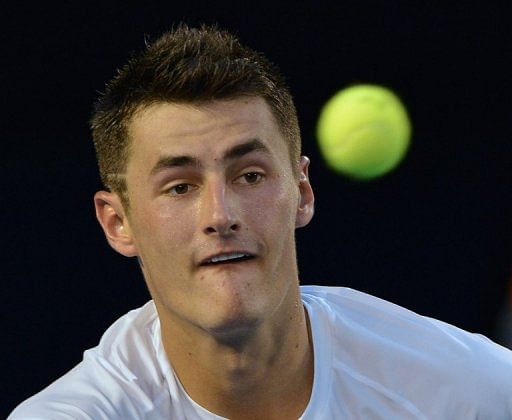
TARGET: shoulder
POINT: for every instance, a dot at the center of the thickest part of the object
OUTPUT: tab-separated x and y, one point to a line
432	364
116	379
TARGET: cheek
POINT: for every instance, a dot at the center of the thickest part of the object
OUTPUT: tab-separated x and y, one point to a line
274	208
162	230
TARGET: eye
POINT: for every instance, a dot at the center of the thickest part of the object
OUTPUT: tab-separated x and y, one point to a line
250	178
180	189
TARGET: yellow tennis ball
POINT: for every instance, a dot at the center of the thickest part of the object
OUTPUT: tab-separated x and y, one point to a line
363	131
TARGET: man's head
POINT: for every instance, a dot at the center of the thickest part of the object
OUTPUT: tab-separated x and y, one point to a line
187	65
213	179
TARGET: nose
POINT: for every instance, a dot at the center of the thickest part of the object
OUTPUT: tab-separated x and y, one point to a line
219	212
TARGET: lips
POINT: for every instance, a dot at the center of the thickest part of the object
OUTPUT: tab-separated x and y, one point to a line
227	257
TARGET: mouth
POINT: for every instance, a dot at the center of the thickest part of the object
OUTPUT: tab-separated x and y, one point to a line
227	258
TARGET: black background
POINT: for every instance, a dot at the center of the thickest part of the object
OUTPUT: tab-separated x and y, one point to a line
434	235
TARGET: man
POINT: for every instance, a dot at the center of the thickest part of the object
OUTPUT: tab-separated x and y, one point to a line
199	150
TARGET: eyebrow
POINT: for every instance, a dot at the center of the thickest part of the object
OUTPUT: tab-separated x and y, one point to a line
235	152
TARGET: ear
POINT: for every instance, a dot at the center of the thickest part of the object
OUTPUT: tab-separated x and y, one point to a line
110	213
306	206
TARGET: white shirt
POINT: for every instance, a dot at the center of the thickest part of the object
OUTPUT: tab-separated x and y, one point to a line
372	360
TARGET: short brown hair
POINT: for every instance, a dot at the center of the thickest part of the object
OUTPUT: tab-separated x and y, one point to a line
185	65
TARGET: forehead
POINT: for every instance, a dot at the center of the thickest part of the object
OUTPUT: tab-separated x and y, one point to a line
201	128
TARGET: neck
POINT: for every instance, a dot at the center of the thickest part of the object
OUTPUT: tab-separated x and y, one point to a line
262	371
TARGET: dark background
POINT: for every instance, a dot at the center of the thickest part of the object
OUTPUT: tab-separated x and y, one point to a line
434	235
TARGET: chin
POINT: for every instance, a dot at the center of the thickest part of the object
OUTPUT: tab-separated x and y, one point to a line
235	331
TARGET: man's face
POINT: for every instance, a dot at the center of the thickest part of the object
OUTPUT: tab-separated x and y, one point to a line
213	208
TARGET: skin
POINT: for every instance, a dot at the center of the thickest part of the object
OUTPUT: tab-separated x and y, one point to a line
206	179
